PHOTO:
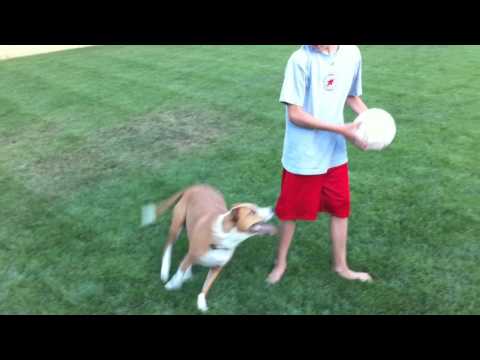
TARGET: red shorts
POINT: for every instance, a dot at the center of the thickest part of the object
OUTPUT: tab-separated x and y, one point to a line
304	196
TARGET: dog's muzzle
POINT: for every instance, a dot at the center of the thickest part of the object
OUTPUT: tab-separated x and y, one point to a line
262	228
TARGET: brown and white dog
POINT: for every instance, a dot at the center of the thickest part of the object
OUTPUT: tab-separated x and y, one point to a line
213	231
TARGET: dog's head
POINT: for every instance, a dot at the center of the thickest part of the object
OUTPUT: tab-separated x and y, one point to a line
252	219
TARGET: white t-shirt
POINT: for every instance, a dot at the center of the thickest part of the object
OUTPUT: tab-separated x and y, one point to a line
319	83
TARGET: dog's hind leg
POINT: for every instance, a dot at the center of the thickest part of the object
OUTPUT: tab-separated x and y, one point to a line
178	222
183	273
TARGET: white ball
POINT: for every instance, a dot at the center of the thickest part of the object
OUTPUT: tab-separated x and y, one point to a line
377	128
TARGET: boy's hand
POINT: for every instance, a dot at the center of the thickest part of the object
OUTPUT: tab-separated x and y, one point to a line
350	133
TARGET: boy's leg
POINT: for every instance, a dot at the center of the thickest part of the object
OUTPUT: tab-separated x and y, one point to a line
339	235
286	236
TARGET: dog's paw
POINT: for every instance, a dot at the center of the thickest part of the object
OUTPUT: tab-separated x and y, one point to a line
202	303
173	285
164	277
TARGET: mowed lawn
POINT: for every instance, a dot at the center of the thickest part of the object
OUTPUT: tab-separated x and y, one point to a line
89	136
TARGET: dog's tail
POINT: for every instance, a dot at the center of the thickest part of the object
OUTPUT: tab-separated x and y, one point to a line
151	212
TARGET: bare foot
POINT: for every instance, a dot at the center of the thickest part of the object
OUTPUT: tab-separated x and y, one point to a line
276	274
352	275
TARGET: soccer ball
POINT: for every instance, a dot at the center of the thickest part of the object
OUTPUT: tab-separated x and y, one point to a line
377	128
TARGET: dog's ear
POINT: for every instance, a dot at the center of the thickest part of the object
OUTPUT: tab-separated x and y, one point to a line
234	214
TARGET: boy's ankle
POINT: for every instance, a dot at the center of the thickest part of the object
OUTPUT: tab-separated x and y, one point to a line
280	264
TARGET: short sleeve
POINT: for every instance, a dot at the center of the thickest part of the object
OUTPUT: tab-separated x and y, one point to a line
356	89
295	82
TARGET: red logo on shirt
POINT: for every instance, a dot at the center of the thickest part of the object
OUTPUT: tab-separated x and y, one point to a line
329	82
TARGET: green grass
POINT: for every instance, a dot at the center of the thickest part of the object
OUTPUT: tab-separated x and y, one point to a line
88	136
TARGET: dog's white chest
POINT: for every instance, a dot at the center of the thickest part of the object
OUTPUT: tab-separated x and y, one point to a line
215	257
227	241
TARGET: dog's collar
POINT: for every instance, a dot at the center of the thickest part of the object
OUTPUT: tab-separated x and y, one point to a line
216	247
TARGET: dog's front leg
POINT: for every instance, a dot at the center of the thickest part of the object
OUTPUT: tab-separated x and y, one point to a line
202	297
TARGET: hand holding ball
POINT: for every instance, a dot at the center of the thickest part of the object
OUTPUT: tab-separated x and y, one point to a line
377	128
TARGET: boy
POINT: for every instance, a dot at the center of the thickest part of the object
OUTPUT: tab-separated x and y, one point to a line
319	80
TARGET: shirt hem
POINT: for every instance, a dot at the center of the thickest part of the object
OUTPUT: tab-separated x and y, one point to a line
299	171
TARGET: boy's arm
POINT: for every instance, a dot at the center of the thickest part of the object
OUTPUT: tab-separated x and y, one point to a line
301	118
356	104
